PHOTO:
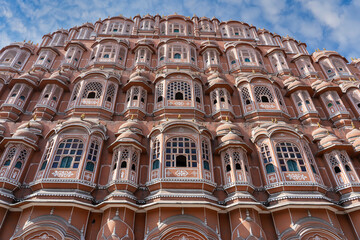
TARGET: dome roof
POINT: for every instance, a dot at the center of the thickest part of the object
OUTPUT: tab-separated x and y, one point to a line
230	136
128	134
353	135
226	127
33	125
329	140
356	144
320	133
136	76
115	229
132	125
30	130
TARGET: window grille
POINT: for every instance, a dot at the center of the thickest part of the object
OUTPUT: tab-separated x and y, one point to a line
180	148
110	93
92	90
92	156
9	156
263	94
265	153
245	96
69	152
289	152
47	154
227	162
179	87
205	154
197	93
156	154
159	92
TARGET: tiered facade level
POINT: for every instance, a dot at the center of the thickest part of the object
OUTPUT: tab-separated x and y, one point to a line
177	128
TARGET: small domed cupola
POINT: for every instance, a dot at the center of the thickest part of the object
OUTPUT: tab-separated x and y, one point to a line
225	127
27	133
328	141
132	125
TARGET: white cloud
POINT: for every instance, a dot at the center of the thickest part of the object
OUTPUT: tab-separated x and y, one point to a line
330	24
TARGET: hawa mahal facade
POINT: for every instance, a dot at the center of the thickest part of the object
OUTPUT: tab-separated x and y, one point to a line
177	128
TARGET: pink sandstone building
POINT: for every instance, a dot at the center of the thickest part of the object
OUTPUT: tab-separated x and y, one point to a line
177	128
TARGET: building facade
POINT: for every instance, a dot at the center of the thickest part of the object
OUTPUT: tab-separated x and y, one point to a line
177	128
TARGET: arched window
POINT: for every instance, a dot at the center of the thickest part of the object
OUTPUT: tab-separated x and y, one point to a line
66	162
289	157
180	161
236	159
156	154
124	158
92	90
177	56
92	155
90	166
69	151
156	164
232	58
8	57
227	162
110	93
180	151
75	92
205	154
265	153
159	92
21	158
245	96
177	89
197	93
270	168
134	159
292	166
313	169
43	165
337	169
18	165
179	96
9	156
347	168
263	94
123	164
47	154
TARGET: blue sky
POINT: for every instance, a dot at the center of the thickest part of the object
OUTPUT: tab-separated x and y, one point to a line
330	24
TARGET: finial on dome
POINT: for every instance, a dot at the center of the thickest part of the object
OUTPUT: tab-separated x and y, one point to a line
82	117
167	119
179	116
132	117
34	117
352	124
352	59
253	71
318	124
101	67
324	49
227	118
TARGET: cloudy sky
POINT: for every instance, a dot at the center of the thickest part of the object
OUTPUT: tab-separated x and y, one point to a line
330	24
